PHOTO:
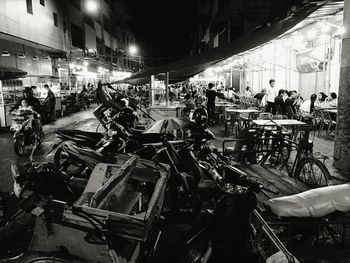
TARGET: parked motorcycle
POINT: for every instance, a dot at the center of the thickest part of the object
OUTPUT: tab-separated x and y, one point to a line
24	134
222	235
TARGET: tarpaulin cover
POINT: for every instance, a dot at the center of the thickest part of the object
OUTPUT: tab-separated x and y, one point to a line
313	203
190	66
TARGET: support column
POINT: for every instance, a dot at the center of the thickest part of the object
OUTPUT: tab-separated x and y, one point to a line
167	89
151	86
342	139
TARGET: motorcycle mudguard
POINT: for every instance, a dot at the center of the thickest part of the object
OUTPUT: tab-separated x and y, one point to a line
56	146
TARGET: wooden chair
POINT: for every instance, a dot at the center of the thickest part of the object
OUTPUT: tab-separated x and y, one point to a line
265	116
279	117
232	123
291	114
327	120
319	122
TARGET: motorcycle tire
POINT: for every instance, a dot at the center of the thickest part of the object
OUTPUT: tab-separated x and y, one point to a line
47	260
19	146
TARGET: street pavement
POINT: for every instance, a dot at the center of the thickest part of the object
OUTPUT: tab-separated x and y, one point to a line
86	121
83	120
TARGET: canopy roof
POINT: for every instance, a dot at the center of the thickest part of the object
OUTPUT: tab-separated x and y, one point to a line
190	66
11	73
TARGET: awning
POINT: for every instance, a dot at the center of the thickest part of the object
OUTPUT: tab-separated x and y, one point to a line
11	73
188	67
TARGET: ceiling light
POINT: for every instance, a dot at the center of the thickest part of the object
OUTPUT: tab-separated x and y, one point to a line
133	50
35	58
21	54
86	63
5	53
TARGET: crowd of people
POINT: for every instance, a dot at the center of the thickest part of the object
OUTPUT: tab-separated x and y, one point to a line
269	99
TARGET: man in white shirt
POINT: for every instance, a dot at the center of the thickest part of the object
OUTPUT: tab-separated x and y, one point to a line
271	93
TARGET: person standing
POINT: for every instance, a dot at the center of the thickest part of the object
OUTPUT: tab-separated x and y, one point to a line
271	94
211	96
50	103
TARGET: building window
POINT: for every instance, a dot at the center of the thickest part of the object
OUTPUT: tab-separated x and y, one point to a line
42	2
29	6
106	23
55	20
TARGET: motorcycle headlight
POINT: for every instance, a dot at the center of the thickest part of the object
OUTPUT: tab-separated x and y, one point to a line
15	127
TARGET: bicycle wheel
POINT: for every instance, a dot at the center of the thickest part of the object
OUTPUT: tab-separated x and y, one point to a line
312	172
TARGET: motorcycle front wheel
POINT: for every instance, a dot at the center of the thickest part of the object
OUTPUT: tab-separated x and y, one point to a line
19	146
46	260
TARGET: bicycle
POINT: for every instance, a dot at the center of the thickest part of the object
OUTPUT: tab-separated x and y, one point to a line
307	166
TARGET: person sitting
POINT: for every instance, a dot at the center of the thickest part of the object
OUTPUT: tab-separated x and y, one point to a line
248	92
279	102
261	97
189	103
321	99
291	100
332	100
308	106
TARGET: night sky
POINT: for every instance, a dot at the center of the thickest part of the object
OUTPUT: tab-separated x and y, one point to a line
161	27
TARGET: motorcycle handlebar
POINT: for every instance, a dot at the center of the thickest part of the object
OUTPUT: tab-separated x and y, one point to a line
238	177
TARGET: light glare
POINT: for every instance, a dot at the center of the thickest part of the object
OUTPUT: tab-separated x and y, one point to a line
91	6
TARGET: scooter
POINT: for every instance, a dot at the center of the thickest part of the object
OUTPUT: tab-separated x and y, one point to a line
24	136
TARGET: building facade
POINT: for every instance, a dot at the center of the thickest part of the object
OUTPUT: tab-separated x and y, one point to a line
218	22
63	40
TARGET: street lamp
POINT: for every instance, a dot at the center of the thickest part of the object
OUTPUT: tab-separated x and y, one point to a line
91	6
133	50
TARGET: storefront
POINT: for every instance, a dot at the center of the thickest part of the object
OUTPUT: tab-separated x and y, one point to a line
306	58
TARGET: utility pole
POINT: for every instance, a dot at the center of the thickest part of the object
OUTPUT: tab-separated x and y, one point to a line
342	139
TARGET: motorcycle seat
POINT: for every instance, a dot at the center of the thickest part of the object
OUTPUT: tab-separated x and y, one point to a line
82	137
317	202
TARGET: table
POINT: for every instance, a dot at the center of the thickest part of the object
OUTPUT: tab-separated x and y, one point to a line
220	104
241	110
286	122
335	111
